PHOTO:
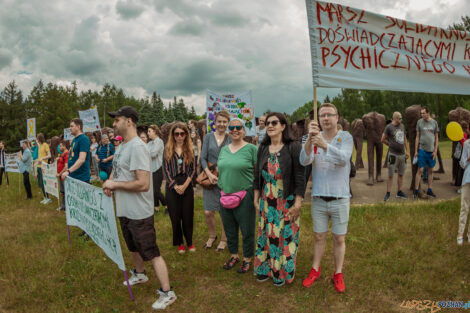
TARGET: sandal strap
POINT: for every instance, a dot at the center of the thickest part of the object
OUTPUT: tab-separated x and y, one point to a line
246	265
232	261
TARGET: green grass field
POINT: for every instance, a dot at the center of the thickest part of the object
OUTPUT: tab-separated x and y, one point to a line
394	253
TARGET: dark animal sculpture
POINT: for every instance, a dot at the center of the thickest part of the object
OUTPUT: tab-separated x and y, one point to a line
374	124
344	123
357	130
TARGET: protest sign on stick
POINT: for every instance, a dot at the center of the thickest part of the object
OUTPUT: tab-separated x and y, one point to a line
49	178
237	105
67	134
91	121
31	128
353	48
91	210
11	162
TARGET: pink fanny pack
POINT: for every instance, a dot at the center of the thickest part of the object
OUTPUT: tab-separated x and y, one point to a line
231	200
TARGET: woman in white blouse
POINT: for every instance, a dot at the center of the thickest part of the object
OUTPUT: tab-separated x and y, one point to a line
156	146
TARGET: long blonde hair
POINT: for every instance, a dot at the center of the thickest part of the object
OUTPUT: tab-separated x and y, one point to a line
188	153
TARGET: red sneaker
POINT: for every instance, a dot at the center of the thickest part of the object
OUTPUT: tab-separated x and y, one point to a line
312	276
192	248
181	249
337	279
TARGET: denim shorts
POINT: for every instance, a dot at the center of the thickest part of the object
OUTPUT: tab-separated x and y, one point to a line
336	210
425	159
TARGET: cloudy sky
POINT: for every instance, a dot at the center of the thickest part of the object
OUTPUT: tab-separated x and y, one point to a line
180	47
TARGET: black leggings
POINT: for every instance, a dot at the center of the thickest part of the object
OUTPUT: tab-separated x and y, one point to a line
41	183
157	178
27	185
181	209
2	171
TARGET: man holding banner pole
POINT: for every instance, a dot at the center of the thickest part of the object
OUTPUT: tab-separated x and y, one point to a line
329	151
131	182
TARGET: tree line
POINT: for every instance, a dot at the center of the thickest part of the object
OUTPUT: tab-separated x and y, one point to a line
55	105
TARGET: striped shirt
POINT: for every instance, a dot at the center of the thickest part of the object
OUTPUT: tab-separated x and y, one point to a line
176	166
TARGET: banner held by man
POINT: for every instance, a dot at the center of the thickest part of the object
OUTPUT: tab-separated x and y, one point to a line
353	48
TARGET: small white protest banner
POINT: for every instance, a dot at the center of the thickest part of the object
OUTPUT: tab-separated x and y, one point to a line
237	105
67	134
31	128
90	209
353	48
49	178
91	121
11	162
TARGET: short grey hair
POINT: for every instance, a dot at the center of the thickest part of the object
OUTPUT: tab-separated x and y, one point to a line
237	119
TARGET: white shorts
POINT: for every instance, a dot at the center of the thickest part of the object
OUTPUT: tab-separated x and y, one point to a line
336	210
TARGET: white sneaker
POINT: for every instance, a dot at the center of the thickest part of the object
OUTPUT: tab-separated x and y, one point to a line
165	299
47	201
43	201
460	241
136	278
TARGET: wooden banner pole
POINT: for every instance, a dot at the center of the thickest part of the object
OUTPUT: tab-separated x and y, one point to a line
315	117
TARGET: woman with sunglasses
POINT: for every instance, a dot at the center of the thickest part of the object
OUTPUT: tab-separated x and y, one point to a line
178	170
156	147
211	147
279	187
236	174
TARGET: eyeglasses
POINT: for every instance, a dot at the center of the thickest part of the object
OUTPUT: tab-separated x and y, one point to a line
232	127
179	134
327	115
274	123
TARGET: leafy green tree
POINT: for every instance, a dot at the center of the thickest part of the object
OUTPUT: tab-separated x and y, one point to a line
12	116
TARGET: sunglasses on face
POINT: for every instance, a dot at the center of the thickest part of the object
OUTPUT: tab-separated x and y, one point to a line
179	134
274	123
232	127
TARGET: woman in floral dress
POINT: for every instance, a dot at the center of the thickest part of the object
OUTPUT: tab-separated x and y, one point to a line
279	188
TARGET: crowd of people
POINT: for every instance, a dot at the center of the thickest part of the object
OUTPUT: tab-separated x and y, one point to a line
256	188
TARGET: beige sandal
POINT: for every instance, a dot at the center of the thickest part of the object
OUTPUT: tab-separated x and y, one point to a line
211	241
222	245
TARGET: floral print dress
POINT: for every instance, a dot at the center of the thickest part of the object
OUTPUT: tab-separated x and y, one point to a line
277	237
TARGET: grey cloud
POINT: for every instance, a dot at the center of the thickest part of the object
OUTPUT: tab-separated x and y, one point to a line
229	20
198	75
191	27
85	34
129	10
5	58
82	64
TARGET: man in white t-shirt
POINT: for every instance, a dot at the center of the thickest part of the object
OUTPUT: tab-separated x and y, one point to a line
331	192
130	181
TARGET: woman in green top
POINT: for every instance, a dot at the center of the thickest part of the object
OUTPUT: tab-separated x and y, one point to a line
236	173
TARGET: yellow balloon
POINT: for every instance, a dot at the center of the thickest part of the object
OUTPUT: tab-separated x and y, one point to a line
454	131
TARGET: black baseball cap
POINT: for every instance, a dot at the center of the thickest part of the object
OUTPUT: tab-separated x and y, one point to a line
126	111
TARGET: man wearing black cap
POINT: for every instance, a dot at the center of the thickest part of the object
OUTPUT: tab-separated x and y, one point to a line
131	183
